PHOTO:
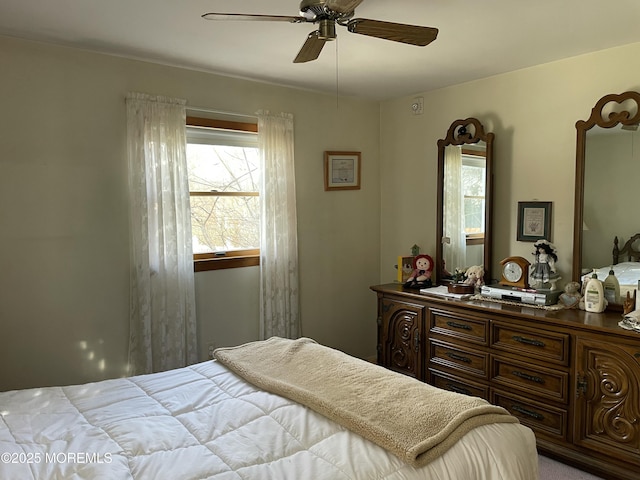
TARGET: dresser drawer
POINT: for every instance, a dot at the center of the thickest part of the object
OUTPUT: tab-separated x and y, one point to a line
530	379
530	342
456	384
451	323
462	359
542	419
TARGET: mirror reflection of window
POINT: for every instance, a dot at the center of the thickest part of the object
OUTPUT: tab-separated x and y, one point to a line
464	190
473	190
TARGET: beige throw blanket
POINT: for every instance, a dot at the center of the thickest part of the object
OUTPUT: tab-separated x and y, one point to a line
415	421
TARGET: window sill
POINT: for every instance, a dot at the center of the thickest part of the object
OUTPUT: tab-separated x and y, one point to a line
206	264
475	239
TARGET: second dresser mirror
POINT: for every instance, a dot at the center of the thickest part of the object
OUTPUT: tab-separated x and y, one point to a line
606	234
465	174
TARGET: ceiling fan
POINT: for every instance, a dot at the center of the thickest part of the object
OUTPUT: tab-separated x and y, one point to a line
328	13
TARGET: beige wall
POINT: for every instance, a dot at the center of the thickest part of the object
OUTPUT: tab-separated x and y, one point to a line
64	255
533	114
63	196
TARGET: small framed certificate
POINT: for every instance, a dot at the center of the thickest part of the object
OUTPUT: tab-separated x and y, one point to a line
534	221
342	170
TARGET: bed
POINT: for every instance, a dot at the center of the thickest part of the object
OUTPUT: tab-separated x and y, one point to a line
206	421
625	264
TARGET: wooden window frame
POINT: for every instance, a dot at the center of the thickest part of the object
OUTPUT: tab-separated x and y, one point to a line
203	262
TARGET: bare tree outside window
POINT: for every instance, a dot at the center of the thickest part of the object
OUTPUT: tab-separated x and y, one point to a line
473	184
225	209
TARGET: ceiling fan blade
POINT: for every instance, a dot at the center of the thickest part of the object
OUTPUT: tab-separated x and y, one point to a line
253	18
397	32
311	48
342	6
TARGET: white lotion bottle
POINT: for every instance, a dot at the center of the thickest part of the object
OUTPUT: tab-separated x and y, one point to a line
612	288
594	295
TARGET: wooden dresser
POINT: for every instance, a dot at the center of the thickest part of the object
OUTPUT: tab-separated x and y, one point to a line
573	377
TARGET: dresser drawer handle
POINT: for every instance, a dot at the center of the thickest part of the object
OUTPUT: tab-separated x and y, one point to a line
526	376
460	358
459	325
527	412
528	341
457	389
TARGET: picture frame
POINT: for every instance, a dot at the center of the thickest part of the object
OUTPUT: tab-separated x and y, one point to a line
534	221
342	170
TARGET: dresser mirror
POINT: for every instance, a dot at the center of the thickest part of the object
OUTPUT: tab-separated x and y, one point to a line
607	182
465	173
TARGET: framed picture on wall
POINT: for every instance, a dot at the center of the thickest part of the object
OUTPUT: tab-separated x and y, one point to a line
342	170
534	221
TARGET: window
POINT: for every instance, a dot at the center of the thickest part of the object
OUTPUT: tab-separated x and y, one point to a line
473	185
224	174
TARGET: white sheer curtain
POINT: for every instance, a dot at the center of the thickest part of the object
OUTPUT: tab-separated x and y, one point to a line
162	303
279	295
455	252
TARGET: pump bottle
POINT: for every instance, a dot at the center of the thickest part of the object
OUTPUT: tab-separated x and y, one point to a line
612	288
594	295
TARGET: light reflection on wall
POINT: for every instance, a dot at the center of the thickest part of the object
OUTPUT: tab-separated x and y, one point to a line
93	359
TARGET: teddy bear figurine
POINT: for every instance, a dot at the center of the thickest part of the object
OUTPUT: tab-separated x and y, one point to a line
475	276
571	297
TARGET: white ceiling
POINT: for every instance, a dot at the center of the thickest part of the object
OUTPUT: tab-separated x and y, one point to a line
478	38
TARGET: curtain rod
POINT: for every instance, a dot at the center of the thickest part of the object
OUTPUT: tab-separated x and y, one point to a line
219	112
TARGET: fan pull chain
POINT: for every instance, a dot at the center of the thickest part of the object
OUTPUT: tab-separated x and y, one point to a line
337	78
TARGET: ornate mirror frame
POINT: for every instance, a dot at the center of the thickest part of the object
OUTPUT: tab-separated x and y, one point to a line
603	116
465	132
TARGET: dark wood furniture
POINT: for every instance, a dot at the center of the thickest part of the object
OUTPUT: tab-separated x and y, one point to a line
573	377
628	252
611	112
465	133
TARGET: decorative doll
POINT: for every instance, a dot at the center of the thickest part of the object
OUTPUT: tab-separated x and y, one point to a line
544	267
421	275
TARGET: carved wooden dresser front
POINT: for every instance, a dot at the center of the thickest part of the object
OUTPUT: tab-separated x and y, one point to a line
573	377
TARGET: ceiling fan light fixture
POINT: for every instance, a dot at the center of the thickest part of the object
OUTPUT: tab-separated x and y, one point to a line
309	15
327	30
312	9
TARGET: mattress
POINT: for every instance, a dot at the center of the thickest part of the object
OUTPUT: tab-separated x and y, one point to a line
205	422
627	273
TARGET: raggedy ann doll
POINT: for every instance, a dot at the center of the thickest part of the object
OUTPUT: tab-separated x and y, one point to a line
421	275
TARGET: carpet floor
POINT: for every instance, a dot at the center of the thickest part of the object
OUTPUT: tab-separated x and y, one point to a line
552	470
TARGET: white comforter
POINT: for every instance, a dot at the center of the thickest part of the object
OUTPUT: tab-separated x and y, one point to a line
205	422
627	273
